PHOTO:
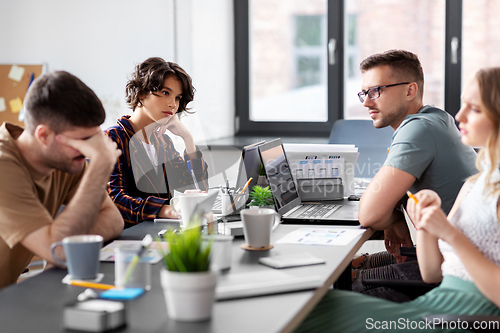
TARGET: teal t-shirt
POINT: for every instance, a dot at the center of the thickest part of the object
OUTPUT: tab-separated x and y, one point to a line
427	145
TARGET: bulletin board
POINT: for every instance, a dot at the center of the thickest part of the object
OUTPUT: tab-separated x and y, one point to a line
14	82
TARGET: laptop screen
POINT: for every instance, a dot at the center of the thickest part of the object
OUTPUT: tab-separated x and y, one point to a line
250	166
278	173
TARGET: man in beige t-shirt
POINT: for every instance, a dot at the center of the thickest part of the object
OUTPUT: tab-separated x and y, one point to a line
43	167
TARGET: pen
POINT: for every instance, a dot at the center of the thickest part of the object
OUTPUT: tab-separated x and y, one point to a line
412	196
80	283
32	77
190	167
166	220
229	194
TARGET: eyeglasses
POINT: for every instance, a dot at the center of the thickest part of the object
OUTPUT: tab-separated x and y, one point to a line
374	93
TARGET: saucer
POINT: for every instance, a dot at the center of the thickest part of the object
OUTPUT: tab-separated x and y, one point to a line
68	278
249	248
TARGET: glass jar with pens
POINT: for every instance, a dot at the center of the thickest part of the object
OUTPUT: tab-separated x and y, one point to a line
234	200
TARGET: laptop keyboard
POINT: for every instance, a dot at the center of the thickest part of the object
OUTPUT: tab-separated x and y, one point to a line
317	211
217	204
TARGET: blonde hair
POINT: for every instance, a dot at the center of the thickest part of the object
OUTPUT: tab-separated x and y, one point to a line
488	80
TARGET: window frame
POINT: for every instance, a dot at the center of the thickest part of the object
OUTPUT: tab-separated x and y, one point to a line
335	73
453	72
243	124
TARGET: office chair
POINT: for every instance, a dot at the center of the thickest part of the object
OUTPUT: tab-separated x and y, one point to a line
372	143
411	288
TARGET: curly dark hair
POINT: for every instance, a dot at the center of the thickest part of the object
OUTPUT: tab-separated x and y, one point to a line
149	77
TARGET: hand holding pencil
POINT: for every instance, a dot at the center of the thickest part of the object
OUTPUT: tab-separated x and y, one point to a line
412	196
421	202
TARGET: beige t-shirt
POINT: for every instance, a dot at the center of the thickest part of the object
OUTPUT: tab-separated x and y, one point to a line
28	201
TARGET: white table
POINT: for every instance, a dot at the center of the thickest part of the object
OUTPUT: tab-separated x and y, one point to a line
37	303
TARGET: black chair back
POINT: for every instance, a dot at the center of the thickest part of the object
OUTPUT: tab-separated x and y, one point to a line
372	143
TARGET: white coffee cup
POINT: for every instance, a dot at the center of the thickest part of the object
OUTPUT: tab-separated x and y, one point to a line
82	255
257	226
185	203
220	258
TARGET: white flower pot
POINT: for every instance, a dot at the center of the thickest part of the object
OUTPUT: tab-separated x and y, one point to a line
189	296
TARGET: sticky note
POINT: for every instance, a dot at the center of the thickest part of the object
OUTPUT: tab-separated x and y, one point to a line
16	73
122	293
2	104
16	105
22	115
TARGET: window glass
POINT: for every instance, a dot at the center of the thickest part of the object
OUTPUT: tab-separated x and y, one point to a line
288	65
480	38
374	26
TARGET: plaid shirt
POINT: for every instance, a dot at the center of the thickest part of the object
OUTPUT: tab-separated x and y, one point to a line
136	187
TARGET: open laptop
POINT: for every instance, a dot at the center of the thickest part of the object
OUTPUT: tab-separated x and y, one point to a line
250	165
286	196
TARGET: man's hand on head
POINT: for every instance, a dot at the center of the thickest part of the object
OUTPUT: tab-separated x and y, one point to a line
98	147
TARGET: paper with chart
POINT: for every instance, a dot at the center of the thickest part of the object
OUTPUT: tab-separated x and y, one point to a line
154	252
323	161
321	236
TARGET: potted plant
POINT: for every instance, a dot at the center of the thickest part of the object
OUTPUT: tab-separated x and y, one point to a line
262	180
188	283
261	197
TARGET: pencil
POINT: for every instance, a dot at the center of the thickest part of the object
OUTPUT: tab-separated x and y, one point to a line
412	196
86	284
246	185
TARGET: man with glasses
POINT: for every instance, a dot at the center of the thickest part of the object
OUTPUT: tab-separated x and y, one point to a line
425	153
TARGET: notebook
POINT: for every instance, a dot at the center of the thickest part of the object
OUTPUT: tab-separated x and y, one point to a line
286	196
249	284
250	165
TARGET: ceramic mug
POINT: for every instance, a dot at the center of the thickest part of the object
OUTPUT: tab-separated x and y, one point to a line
185	203
220	258
257	226
82	255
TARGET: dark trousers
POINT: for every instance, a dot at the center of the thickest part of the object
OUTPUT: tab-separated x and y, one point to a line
382	265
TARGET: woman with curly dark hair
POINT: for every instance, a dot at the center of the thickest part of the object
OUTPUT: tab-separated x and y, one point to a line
150	167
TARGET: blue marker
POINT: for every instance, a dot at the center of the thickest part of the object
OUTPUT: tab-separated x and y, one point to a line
190	167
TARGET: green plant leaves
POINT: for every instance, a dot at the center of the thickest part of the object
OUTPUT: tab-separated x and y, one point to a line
187	251
261	196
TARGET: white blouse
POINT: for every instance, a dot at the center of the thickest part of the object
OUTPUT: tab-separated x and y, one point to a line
477	219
